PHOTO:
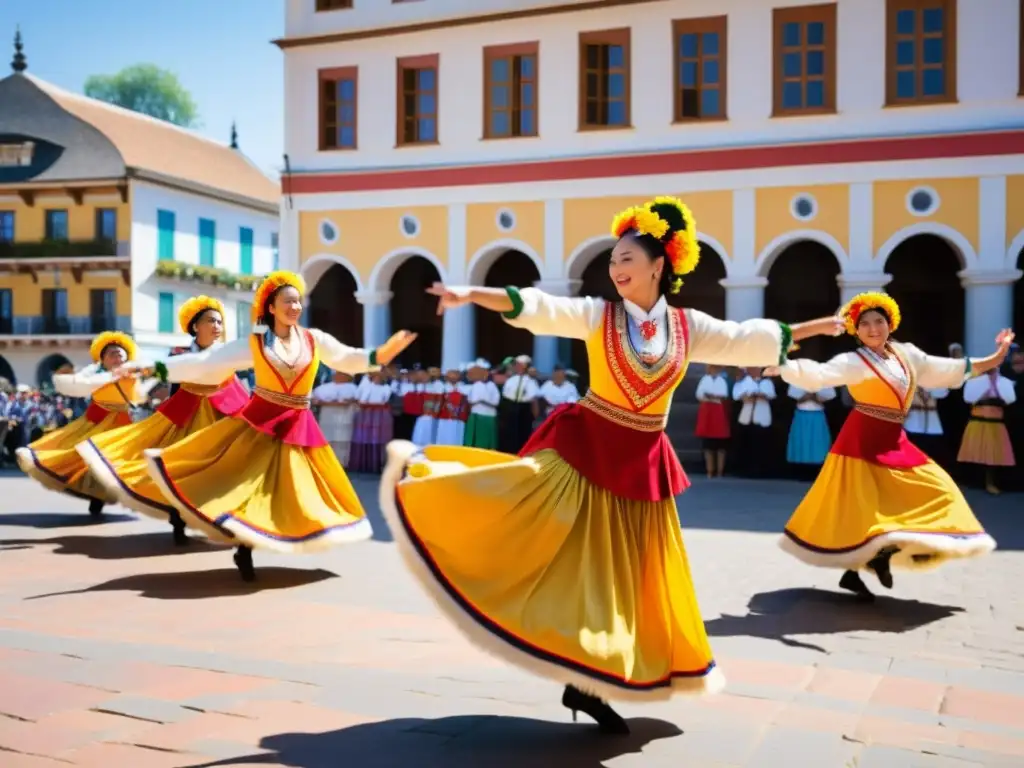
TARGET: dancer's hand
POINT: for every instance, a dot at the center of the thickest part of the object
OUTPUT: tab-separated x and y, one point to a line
1004	339
449	297
771	371
394	346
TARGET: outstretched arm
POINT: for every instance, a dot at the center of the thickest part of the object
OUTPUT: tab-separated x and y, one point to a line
750	343
82	383
211	366
812	376
951	373
353	360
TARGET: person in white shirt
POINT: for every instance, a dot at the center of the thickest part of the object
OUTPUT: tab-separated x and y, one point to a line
338	401
986	440
519	395
424	431
484	397
713	418
924	425
809	436
557	390
754	452
451	417
374	426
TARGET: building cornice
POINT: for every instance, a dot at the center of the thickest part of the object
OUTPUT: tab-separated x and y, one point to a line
194	188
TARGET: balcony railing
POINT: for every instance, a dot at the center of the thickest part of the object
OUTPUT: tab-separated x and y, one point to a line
71	325
50	249
101	323
56	325
6	326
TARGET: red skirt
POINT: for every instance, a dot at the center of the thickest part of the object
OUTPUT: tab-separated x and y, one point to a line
712	421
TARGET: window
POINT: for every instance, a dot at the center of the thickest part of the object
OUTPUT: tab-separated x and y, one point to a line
245	250
417	100
207	242
338	108
275	252
56	224
6	226
243	318
805	60
510	91
920	56
700	69
604	79
55	310
6	311
102	310
166	320
106	224
332	5
165	237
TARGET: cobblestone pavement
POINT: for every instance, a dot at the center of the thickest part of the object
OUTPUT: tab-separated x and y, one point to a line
117	650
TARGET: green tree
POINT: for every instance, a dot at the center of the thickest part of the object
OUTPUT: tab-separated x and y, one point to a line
147	89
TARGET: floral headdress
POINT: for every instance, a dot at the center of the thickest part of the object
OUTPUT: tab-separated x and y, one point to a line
271	283
671	223
190	310
115	338
863	302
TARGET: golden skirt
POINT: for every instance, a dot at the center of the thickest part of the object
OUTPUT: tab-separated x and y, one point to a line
239	485
116	458
855	509
546	570
987	443
54	462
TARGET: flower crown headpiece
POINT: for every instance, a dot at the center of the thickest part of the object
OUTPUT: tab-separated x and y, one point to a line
671	223
190	310
117	338
271	283
863	302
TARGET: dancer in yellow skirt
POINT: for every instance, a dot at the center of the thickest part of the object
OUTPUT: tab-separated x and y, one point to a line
52	460
116	458
569	560
879	502
268	478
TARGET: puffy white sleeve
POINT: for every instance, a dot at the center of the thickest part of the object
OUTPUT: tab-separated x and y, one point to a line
82	383
702	388
211	366
545	315
725	342
740	389
795	392
768	388
826	394
935	372
1006	391
974	390
351	360
812	376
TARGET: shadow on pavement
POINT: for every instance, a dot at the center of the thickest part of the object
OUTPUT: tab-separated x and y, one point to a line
455	742
198	585
371	483
115	547
46	520
781	614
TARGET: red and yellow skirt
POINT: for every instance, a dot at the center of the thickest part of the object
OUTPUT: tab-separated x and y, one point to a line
54	462
267	479
116	458
877	490
540	564
986	440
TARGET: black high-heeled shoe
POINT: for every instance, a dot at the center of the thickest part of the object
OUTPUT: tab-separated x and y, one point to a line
852	582
607	719
178	531
96	508
880	564
243	561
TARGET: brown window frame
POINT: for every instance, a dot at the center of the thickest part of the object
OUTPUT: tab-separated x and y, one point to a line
429	61
804	14
326	6
335	75
620	37
700	26
949	52
512	53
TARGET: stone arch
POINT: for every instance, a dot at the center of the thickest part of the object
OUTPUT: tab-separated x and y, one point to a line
332	304
412	308
802	284
388	264
960	245
7	372
48	366
319	264
480	263
496	339
766	258
586	252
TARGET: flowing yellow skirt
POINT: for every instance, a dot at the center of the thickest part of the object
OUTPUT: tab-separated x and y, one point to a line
239	485
54	462
856	508
116	458
550	572
987	443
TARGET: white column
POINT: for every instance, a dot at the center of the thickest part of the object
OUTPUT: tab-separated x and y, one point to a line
546	348
992	224
744	227
376	317
852	283
988	307
861	248
554	240
744	297
288	238
458	344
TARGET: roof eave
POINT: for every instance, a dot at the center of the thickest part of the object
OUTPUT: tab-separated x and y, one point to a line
185	185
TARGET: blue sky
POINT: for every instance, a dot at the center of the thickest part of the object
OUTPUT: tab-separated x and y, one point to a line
219	49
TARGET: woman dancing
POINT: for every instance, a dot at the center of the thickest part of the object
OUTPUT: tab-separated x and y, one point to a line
53	460
879	502
569	560
116	458
267	479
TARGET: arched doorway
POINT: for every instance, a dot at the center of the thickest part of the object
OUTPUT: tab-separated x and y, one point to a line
413	309
7	372
702	289
594	282
925	285
333	307
48	366
496	339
